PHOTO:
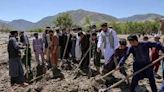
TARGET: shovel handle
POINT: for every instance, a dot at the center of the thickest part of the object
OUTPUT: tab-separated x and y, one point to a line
137	72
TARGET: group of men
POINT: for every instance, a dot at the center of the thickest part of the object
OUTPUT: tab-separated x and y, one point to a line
74	45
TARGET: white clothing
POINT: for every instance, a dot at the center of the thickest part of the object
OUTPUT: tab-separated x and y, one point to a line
108	51
78	52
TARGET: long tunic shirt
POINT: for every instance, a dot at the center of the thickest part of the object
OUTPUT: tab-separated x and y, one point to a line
15	65
54	50
38	46
63	41
96	55
110	42
84	47
78	52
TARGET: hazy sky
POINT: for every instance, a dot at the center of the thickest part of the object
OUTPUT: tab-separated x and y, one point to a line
34	10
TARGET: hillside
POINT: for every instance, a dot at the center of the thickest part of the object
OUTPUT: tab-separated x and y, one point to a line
21	24
78	17
142	17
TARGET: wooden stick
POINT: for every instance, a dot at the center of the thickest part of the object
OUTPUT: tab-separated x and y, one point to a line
65	49
52	68
137	72
83	58
40	76
109	73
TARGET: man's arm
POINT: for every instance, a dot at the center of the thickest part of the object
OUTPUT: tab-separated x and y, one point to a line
156	45
16	46
123	59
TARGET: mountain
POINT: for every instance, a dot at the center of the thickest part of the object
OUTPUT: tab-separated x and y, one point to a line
78	17
47	21
2	21
143	17
4	26
21	24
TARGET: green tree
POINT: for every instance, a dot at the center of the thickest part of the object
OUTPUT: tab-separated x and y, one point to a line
64	21
87	23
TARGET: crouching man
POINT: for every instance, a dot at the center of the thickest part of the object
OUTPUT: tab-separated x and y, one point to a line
116	57
140	52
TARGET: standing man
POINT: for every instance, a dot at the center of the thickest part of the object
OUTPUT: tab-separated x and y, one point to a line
15	66
65	38
96	55
84	42
45	37
54	48
108	40
24	39
38	48
78	52
46	42
54	44
140	52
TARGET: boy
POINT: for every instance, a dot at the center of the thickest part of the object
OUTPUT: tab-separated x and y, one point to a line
140	51
116	57
84	42
96	55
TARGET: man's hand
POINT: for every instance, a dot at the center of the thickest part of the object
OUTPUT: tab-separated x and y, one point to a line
98	50
117	67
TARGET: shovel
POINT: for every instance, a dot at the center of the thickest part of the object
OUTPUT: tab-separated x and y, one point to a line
77	69
137	72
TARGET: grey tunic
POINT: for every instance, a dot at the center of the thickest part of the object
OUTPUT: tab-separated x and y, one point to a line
15	65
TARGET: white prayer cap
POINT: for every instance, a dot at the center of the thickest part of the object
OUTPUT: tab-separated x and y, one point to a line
157	36
162	19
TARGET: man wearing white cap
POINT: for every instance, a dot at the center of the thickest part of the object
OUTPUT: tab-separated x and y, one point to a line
108	40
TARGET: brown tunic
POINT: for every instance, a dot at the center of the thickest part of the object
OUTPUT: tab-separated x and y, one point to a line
54	50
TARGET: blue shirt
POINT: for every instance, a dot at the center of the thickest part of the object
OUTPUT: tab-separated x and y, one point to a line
141	52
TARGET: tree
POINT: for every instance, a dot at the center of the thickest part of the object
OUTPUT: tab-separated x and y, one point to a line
87	23
64	21
39	30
